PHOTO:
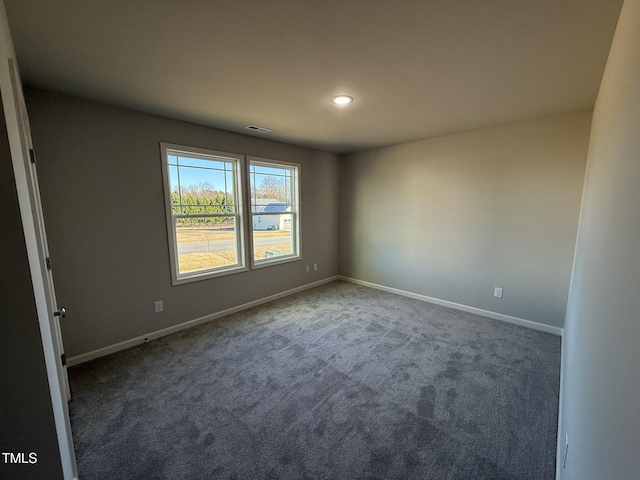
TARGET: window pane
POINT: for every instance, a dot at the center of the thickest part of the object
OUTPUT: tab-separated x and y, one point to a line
274	211
272	236
205	223
230	202
269	185
173	187
202	190
199	162
205	243
195	180
261	169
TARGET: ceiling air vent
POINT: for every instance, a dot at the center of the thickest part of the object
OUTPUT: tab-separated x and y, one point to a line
256	128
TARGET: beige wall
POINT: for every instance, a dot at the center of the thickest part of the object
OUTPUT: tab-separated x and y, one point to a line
601	348
453	217
111	265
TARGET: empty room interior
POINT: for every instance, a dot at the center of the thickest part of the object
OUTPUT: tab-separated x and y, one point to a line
326	240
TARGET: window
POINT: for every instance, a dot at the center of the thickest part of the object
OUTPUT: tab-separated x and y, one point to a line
203	200
275	211
206	223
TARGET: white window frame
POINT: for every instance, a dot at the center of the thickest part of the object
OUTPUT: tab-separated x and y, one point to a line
241	230
296	209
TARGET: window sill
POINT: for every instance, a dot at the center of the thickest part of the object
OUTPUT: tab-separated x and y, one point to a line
275	261
206	275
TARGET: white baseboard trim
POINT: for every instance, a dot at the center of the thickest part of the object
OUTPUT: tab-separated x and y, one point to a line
457	306
101	352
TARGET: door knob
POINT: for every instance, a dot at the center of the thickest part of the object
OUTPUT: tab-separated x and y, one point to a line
60	313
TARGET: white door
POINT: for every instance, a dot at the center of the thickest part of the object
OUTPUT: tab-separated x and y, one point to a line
57	312
36	241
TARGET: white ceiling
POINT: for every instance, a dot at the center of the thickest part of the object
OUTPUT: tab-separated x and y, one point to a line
416	68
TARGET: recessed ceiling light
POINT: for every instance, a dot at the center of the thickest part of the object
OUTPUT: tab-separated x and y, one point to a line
342	99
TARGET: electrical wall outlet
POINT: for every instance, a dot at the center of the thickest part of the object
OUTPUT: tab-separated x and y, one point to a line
497	292
307	268
315	266
158	306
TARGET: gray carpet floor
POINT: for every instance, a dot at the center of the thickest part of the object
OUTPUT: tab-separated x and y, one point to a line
338	382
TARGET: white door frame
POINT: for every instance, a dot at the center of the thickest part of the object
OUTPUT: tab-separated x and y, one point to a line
35	251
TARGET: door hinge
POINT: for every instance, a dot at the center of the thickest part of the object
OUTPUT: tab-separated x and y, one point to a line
63	357
32	155
48	259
